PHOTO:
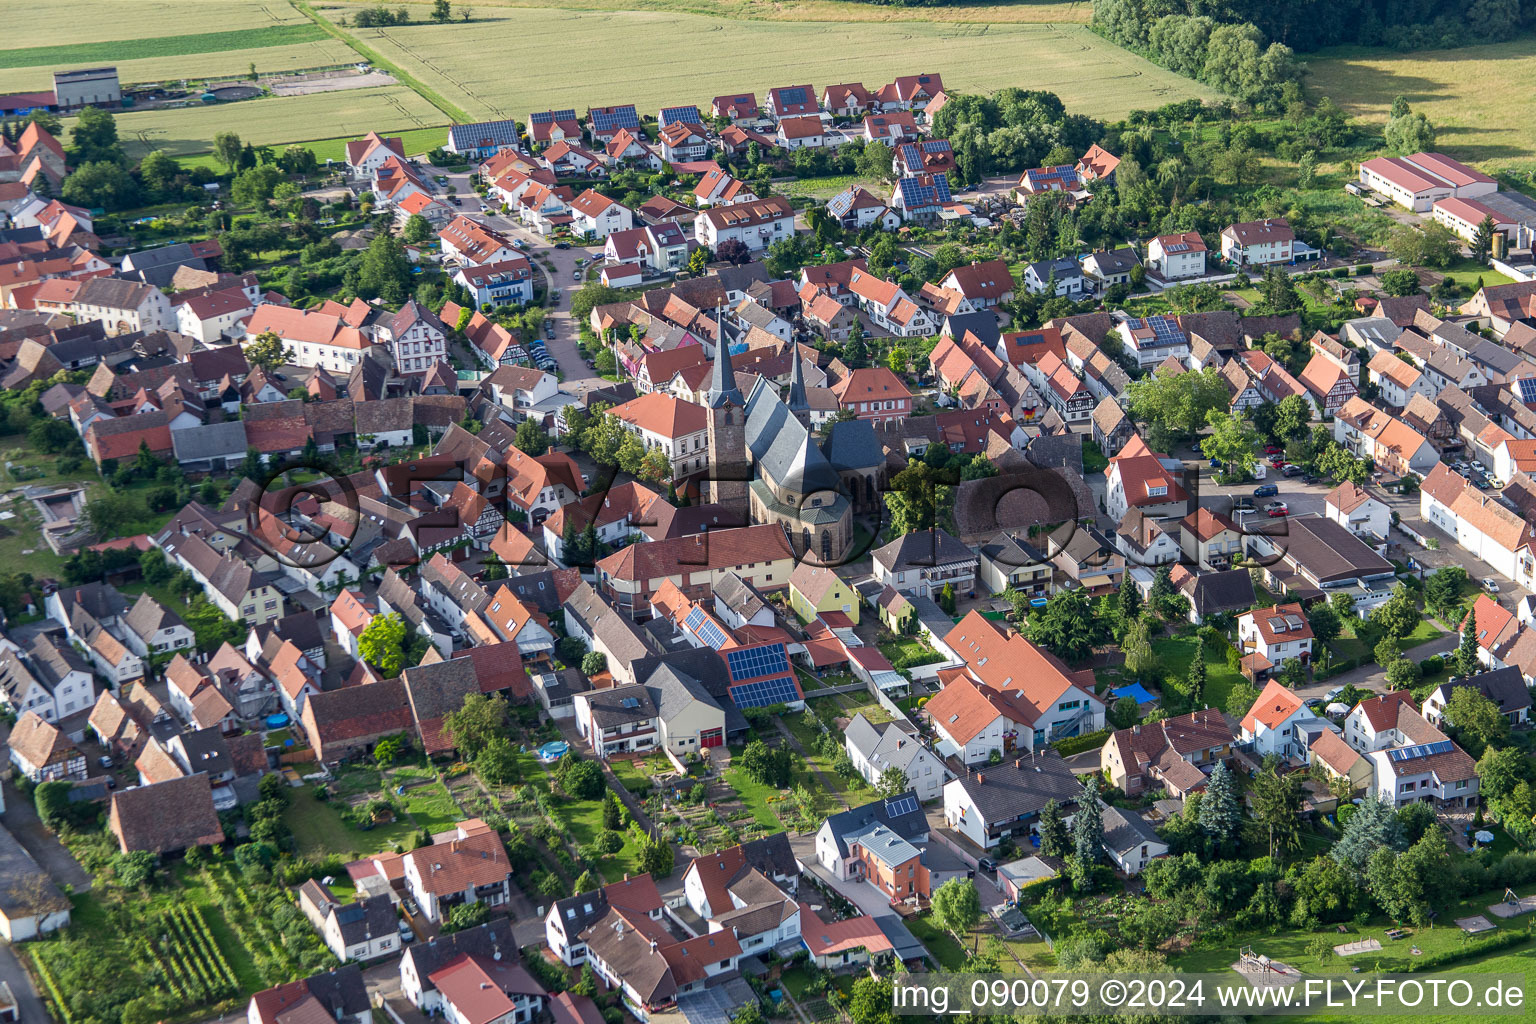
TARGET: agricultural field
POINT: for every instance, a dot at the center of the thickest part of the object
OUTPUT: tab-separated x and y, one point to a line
467	62
275	120
997	13
1474	96
317	52
122	22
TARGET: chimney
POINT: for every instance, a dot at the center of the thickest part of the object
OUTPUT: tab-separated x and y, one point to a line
1136	730
1018	764
981	779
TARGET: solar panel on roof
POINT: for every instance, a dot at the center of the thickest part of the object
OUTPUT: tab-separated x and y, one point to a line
1527	386
765	692
683	115
901	805
1421	750
614	118
550	116
712	634
755	662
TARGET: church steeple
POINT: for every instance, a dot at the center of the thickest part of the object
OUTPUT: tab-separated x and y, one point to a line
798	403
722	380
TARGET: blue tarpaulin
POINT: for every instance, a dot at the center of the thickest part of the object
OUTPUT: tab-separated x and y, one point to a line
1135	690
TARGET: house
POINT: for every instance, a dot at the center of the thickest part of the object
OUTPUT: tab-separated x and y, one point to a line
568	918
836	840
922	564
473	244
1438	773
930	157
1143	541
1177	256
568	159
339	995
738	108
1466	216
1505	687
874	393
1276	633
1141	478
1174	754
603	123
368	154
921	197
1130	840
1003	801
1370	433
660	248
746	891
1258	243
618	720
1340	761
482	139
1060	277
1106	268
1399	379
983	285
31	905
49	679
502	283
466	864
1154	339
547	126
1353	508
877	749
801	133
1039	180
40	752
1274	724
677	428
717	187
757	224
363	930
596	216
1097	163
310	339
890	128
1417	181
340	723
791	101
1210	540
855	209
651	967
889	309
1330	384
1010	562
166	817
816	589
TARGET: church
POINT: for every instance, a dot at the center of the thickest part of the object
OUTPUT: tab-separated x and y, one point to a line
763	455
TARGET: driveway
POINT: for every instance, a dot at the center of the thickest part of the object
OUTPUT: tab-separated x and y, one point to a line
1373	677
21	818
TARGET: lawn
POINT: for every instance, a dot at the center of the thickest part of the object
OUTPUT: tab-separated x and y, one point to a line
1177	652
1349	645
432	807
907	651
1468	272
826	188
633	775
1474	96
319	829
949	953
466	63
583	820
276	120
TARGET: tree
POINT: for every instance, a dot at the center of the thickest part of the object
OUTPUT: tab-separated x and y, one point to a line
158	171
698	261
135	869
1221	814
1178	402
1241	699
892	782
226	148
1127	603
531	438
382	644
1067	627
94	138
1276	800
1433	245
1087	834
1477	718
1442	591
767	766
384	272
583	780
1292	672
1373	825
957	906
103	183
870	1001
476	722
466	915
111	513
1399	281
1464	662
441	11
1053	831
656	857
1231	442
1326	625
1292	416
1482	240
417	229
613	815
594	662
1410	133
497	763
1141	660
268	351
1195	682
1398	617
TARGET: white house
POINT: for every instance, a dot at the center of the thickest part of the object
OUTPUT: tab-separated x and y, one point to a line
678	428
467	864
889	309
1272	724
595	215
360	931
756	224
1438	773
1058	277
1256	243
876	749
503	283
1352	508
1176	256
1276	633
416	338
48	679
995	802
1130	840
471	243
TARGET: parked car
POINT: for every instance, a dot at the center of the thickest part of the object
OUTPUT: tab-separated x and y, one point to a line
562	245
986	864
456	201
1272	449
1309	478
1266	491
1490	584
1291	470
518	243
104	761
575	275
549	329
1277	508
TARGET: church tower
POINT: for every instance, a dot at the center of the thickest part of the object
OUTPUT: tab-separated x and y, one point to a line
799	405
728	469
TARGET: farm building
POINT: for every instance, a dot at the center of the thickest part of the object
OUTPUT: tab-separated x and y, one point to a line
1416	182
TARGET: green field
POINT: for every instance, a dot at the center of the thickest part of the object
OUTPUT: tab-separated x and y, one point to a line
163	46
1474	96
124	22
322	51
467	63
998	12
278	119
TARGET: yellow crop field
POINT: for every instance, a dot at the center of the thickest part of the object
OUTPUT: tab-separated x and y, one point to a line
1477	97
89	21
510	61
997	12
275	120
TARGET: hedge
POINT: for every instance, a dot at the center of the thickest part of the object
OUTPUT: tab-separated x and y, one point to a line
1077	744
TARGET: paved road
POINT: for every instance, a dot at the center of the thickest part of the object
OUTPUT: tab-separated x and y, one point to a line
27	999
22	820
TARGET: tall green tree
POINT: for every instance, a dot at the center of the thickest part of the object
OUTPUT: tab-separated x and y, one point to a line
1465	662
1067	627
1194	683
1231	441
1221	815
1276	801
1482	240
476	722
382	644
94	138
384	272
957	906
1087	833
1053	831
1127	604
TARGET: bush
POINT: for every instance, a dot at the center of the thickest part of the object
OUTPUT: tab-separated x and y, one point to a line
1077	744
